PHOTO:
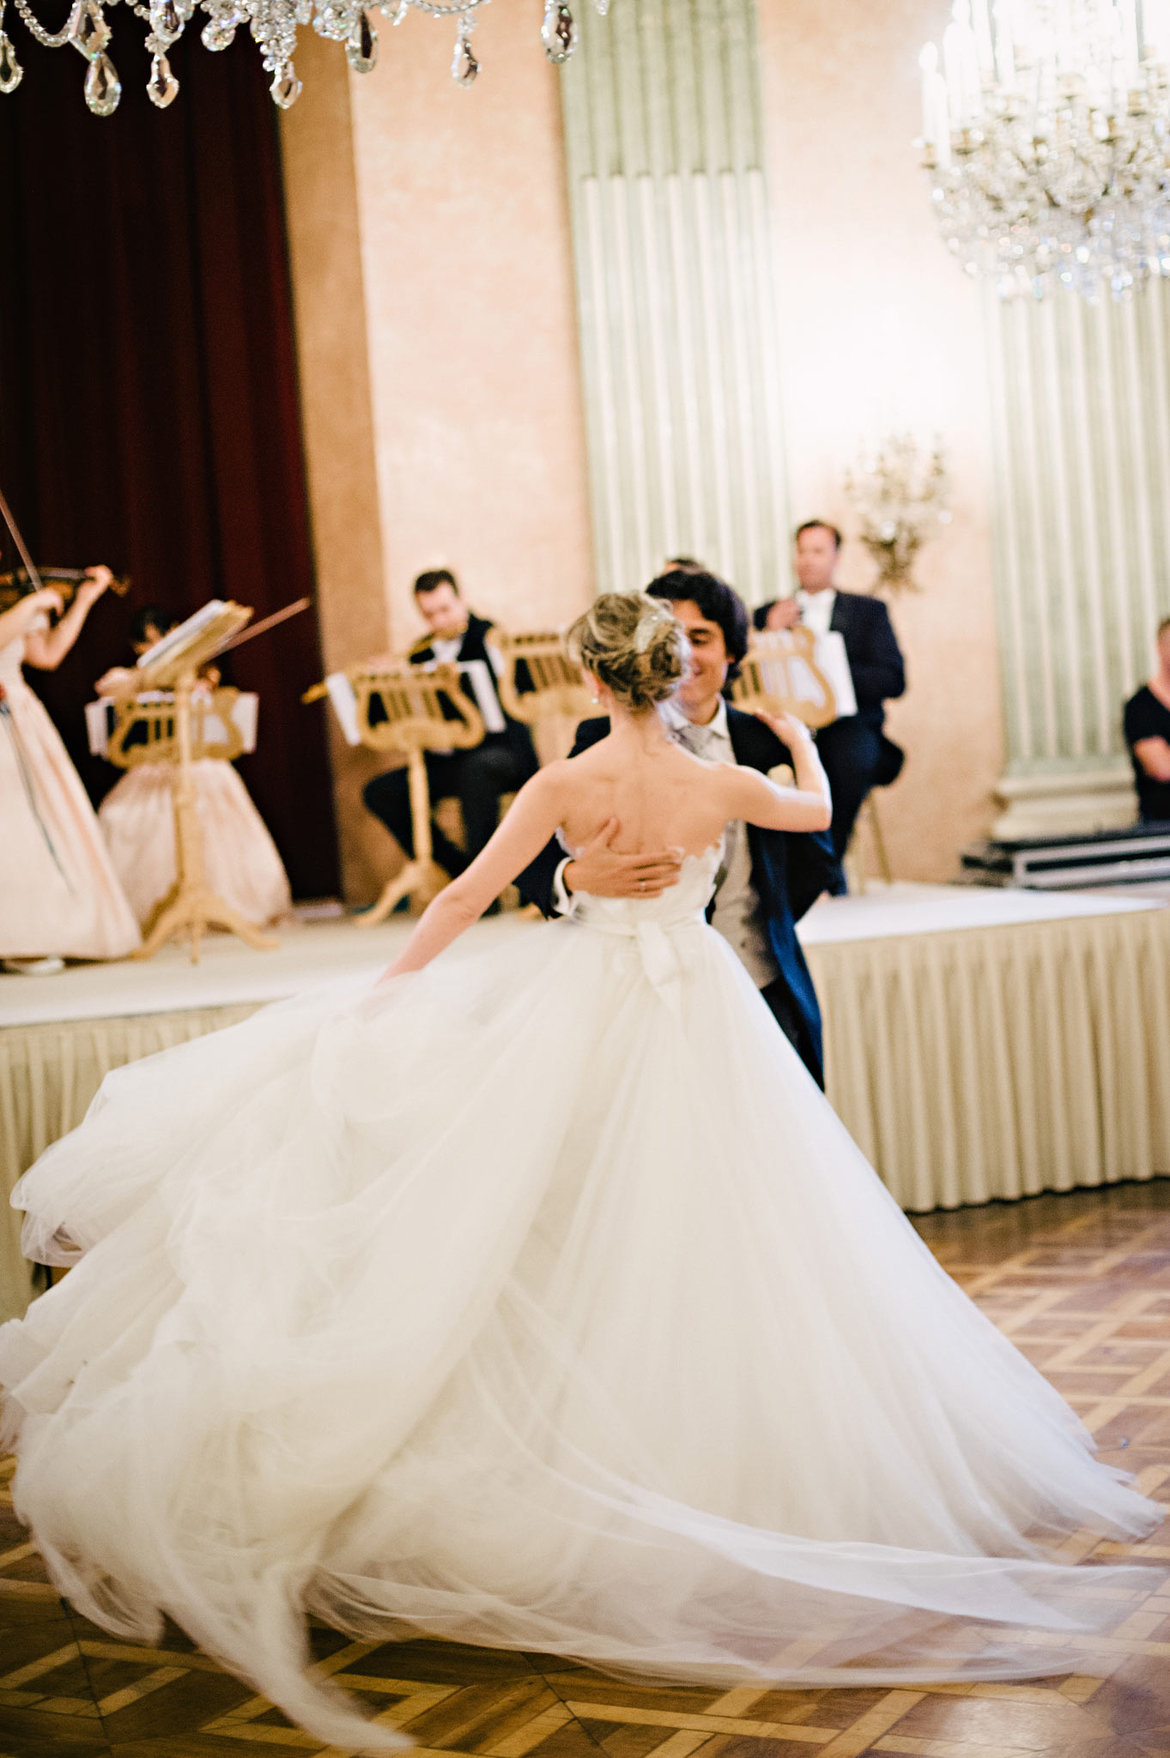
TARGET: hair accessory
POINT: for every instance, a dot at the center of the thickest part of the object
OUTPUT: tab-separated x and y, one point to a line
646	630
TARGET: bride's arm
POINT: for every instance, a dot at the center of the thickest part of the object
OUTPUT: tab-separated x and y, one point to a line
751	796
531	820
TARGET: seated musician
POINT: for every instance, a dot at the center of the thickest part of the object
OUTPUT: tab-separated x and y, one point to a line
241	861
477	778
1147	736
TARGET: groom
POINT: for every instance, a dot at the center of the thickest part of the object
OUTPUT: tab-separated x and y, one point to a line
768	878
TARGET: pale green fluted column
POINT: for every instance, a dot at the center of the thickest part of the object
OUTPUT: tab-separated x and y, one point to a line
1081	401
673	259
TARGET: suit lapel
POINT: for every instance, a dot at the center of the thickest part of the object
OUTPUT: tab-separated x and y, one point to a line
750	742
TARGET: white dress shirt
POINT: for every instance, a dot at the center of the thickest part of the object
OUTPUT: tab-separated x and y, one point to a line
816	609
737	914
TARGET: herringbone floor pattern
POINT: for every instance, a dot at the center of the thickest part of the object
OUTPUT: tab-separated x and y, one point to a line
1081	1282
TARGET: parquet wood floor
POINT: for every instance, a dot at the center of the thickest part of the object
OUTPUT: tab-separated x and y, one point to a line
1082	1284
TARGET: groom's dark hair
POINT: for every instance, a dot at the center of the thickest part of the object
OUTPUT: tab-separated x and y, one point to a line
717	601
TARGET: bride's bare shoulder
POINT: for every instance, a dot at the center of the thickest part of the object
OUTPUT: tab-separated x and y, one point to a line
595	756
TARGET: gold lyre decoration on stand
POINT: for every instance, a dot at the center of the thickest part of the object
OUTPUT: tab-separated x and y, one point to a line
538	681
144	728
402	707
780	674
177	732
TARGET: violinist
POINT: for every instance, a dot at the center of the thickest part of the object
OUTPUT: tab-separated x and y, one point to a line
59	896
240	859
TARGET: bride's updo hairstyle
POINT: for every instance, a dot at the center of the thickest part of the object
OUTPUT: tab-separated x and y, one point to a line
633	645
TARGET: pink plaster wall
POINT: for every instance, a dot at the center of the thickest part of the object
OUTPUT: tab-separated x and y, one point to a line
471	321
880	330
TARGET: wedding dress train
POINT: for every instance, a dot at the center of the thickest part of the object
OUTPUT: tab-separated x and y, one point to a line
538	1300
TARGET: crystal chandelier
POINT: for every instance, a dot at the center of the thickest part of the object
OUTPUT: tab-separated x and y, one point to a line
900	495
273	24
1046	133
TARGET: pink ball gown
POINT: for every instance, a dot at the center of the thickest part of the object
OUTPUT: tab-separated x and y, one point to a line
59	894
240	859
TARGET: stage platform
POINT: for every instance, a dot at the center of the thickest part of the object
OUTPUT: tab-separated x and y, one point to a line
980	1044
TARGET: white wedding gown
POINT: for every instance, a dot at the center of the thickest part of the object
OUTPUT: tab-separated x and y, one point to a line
538	1300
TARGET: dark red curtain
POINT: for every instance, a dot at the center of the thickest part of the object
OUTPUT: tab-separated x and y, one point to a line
148	397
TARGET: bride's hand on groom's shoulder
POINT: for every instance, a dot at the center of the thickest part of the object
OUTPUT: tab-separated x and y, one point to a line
598	869
788	729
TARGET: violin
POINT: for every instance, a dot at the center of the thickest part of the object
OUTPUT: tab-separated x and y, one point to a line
19	582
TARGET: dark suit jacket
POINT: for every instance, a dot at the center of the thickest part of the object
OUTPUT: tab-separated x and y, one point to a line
871	646
790	869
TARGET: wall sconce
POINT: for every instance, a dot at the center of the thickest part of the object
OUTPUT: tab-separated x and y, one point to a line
900	494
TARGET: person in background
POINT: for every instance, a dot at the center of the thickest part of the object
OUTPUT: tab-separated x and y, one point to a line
500	764
59	894
241	861
767	879
150	624
855	751
1147	733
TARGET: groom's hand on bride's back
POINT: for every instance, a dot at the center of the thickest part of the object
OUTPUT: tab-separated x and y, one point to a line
601	871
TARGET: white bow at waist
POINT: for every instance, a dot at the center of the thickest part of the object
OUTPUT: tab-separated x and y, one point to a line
661	947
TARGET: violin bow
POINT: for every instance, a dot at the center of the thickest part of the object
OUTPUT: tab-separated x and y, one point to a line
266	623
22	551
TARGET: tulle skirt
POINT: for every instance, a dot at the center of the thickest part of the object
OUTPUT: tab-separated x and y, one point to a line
536	1300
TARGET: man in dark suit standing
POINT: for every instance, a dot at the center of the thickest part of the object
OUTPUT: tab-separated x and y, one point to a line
855	751
500	764
768	878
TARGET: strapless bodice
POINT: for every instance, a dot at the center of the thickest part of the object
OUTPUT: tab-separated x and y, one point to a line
678	906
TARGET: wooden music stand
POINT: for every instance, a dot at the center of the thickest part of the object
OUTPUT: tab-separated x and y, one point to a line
404	708
190	906
556	683
156	720
780	674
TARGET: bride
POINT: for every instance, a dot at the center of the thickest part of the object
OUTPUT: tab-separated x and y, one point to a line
535	1297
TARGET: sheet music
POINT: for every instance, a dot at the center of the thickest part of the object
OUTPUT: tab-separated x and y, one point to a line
179	637
97	725
832	659
343	700
479	676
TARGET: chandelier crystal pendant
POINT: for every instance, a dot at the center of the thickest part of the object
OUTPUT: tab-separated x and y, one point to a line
1046	135
273	24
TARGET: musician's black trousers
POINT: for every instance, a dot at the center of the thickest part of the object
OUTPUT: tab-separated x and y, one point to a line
475	778
851	752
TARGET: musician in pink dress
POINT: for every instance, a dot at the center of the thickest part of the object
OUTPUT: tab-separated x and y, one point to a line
240	859
59	895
